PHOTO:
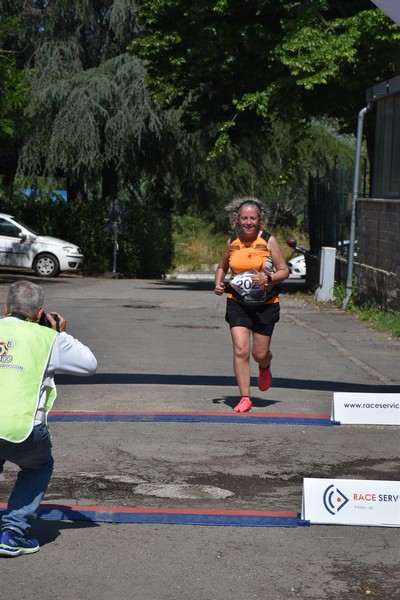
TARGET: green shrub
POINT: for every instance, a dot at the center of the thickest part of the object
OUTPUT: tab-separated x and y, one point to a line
196	245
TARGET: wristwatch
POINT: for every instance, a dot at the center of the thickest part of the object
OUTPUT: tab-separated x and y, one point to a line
269	279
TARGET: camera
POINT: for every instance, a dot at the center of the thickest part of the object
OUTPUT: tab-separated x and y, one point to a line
44	320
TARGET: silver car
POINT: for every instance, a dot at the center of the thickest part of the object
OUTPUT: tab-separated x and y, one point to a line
20	246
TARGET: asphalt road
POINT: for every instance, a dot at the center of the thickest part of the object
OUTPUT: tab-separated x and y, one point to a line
163	346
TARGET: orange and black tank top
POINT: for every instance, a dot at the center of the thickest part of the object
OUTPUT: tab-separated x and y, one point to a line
246	256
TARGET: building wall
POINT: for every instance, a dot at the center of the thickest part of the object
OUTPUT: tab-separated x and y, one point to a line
386	177
386	169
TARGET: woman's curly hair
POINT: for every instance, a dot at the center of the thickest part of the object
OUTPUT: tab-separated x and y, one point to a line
235	205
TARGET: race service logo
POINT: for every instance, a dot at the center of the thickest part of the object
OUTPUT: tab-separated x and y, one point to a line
334	499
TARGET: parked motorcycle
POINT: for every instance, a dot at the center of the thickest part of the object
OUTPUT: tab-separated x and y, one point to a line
297	264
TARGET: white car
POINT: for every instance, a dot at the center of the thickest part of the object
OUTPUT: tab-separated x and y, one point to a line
297	266
20	246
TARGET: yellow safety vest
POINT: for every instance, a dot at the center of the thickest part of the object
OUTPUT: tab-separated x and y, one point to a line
24	353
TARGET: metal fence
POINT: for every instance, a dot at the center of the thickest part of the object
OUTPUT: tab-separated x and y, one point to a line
329	208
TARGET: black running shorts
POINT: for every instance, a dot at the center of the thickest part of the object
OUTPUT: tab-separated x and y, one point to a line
260	319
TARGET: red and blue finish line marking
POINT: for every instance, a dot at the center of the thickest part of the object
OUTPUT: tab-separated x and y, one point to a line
192	417
169	516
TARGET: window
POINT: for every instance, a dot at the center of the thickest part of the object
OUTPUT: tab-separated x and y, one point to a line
9	229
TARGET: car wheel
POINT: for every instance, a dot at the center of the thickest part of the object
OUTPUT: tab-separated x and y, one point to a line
46	265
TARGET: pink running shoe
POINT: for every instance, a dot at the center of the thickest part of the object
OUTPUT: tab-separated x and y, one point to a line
264	379
244	405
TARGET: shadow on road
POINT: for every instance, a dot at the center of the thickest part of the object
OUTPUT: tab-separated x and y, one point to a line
220	380
47	531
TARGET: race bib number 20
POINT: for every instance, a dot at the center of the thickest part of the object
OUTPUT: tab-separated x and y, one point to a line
243	283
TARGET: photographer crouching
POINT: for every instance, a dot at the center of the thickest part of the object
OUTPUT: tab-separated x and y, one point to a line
30	355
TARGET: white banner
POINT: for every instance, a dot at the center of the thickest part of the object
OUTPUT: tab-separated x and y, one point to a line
366	409
351	502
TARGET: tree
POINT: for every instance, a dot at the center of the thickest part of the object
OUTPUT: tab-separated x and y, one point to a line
11	82
88	106
89	124
12	97
235	63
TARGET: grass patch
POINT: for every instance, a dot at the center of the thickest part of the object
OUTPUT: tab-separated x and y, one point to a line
379	319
